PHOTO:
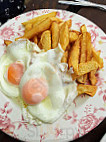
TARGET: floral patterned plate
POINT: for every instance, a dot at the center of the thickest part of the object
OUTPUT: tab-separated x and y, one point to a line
83	115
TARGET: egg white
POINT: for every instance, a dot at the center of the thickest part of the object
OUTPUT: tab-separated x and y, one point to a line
18	51
62	90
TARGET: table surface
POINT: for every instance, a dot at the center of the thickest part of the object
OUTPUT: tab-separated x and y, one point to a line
98	17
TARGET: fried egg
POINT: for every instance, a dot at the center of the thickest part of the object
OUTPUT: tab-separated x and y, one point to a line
45	87
13	64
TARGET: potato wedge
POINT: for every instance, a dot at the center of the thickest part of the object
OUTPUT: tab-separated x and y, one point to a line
73	36
55	34
40	18
46	40
87	89
64	36
65	57
7	42
43	26
74	56
87	67
83	28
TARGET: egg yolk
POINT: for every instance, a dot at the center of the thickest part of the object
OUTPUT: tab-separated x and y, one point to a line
15	72
35	90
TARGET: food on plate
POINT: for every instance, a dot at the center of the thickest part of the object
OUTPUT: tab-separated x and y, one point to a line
7	42
64	36
40	18
83	56
74	55
65	57
48	67
97	58
73	36
88	46
44	25
55	19
88	89
35	39
55	34
45	40
83	29
13	64
92	77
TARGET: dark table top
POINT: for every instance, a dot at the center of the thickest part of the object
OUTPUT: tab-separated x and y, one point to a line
93	14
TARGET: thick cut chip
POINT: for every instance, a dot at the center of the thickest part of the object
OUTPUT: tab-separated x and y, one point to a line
55	34
28	27
40	18
69	23
89	49
74	56
83	29
97	58
65	57
92	77
83	56
87	67
7	42
73	36
64	36
43	26
46	40
87	89
55	19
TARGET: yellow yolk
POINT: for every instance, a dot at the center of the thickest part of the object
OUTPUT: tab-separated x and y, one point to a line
34	91
15	72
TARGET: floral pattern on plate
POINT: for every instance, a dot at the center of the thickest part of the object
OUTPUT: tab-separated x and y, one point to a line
84	114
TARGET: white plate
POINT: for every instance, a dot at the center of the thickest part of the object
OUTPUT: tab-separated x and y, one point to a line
82	116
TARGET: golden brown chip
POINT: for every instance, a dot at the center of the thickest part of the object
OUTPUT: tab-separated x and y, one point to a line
64	36
28	27
7	42
65	57
74	56
35	39
83	56
43	26
83	28
55	34
40	18
69	23
55	19
87	89
46	40
92	77
97	58
89	49
19	38
87	67
73	36
77	32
